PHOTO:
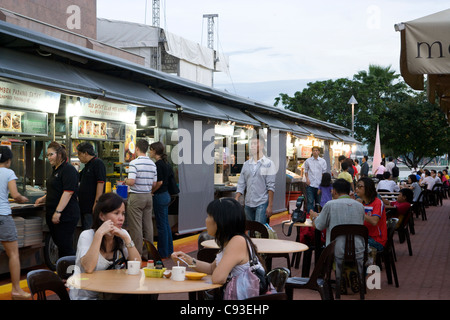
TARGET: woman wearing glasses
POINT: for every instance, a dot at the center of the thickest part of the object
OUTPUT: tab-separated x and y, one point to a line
61	204
375	217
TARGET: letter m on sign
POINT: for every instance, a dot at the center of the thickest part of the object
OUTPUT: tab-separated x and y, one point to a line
427	45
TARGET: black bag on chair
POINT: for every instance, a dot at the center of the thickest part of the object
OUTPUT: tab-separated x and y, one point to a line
298	215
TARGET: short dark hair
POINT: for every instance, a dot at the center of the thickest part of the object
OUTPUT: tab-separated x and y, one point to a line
5	154
341	186
142	144
386	175
86	147
344	165
366	157
408	194
413	177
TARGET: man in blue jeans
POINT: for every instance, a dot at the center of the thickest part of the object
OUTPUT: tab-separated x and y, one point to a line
258	180
314	168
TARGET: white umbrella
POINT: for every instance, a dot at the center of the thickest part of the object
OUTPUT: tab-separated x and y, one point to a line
424	51
376	152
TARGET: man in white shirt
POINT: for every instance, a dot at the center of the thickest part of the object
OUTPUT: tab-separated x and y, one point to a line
435	177
258	179
314	168
388	183
428	180
142	177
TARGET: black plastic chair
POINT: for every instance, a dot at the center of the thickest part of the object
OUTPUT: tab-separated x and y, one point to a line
436	193
387	255
419	205
403	230
278	278
42	280
152	252
350	231
254	226
207	254
65	267
320	279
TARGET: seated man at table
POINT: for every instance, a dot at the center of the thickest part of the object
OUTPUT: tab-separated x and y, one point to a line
402	205
388	183
341	210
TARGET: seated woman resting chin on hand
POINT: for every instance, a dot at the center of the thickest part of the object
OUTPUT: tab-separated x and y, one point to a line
106	245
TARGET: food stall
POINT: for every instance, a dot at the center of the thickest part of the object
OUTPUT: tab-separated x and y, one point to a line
24	127
110	127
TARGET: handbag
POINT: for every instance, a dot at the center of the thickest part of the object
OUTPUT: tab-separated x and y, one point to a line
172	186
298	215
250	283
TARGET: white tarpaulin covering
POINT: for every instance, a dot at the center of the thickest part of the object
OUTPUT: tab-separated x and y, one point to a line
123	34
194	53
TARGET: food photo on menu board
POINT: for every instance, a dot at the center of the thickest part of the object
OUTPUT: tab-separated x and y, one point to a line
92	129
130	143
11	121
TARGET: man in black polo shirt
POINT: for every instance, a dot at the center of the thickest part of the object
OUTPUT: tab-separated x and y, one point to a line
92	182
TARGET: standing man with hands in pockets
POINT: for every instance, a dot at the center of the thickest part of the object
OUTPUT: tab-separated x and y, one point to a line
314	168
257	179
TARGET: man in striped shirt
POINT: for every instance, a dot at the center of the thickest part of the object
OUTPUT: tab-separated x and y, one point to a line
141	179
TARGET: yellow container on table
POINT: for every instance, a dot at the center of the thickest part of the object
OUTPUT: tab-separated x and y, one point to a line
154	273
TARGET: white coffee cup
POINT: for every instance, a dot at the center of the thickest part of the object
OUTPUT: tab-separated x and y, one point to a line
134	267
178	273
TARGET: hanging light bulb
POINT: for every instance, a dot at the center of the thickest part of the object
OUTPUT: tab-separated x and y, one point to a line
143	120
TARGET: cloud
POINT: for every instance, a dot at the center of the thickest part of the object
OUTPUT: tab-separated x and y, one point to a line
247	51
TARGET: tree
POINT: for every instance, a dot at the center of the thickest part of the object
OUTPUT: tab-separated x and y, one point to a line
323	100
415	130
409	125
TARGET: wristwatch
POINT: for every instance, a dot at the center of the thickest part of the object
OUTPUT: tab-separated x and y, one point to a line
57	211
130	245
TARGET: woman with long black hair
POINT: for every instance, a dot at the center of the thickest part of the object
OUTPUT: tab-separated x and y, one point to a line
225	221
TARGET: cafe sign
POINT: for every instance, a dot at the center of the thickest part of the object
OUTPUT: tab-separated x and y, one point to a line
28	98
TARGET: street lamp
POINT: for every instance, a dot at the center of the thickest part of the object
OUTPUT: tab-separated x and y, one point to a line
353	101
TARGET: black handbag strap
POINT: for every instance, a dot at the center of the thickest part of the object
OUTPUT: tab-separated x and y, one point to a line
253	258
116	260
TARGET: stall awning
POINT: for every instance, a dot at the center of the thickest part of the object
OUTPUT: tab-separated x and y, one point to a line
23	67
193	105
320	133
234	114
271	121
297	130
59	76
127	91
345	138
